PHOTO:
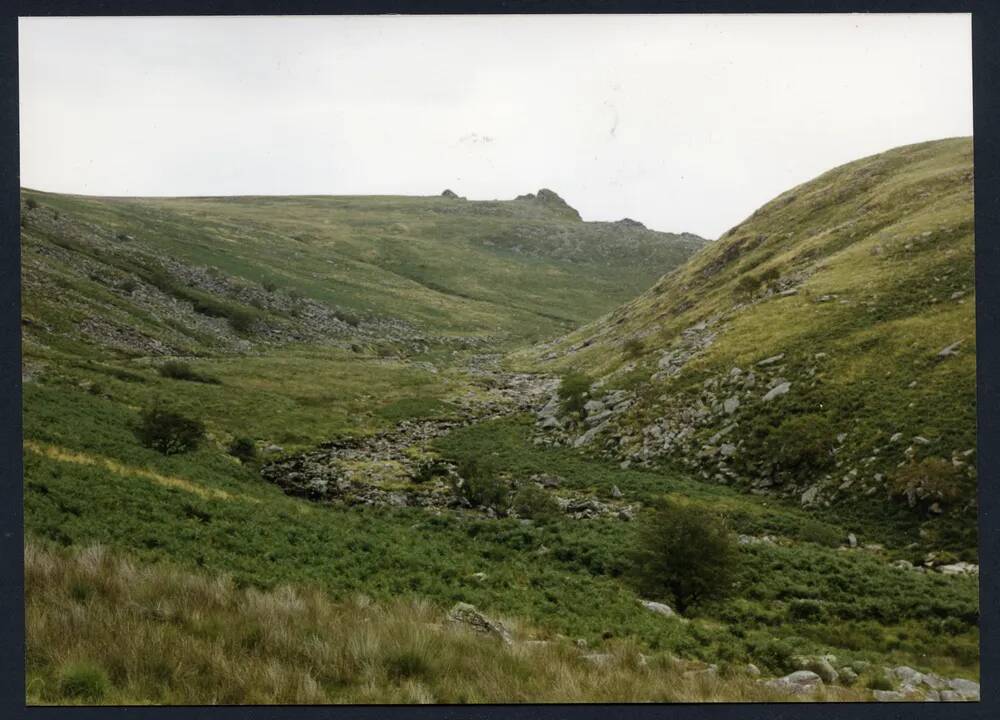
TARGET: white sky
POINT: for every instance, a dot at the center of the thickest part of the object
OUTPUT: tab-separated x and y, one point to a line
683	122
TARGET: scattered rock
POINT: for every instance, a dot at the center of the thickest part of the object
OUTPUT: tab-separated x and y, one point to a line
771	360
615	492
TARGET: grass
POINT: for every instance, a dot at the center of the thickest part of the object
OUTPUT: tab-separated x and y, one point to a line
882	249
142	634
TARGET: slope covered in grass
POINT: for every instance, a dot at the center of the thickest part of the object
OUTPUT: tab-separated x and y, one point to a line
187	274
823	349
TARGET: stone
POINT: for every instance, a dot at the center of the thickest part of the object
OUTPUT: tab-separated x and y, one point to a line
959	568
888	696
777	391
468	616
731	404
852	540
727	449
771	360
597	658
907	675
896	437
588	436
593	407
800	682
550	423
809	496
823	668
273	449
921	440
949	350
615	492
658	608
967	689
752	670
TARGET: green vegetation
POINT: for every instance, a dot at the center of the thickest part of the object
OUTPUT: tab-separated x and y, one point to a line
574	389
168	431
296	321
859	284
160	634
688	554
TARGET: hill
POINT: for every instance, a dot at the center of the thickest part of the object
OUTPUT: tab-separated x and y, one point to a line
205	275
822	350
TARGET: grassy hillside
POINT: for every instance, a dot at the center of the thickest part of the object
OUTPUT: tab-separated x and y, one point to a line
823	349
161	276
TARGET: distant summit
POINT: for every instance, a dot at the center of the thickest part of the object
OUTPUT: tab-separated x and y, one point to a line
552	201
451	195
630	223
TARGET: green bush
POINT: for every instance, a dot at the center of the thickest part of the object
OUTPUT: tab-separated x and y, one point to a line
932	480
574	388
807	610
243	448
31	204
177	370
83	681
481	484
531	501
686	552
633	348
801	444
169	432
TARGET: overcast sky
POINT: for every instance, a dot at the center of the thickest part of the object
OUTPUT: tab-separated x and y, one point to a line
682	122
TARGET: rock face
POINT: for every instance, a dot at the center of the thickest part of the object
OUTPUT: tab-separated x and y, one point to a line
468	616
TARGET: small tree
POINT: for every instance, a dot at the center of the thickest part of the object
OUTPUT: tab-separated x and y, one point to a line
573	390
481	484
169	432
685	552
746	286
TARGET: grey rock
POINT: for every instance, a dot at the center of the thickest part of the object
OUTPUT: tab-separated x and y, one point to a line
771	360
658	608
594	406
800	682
752	670
731	404
727	449
468	616
809	496
888	696
615	492
968	689
852	540
896	437
777	391
950	350
959	568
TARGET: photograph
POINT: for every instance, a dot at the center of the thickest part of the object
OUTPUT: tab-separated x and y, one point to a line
482	359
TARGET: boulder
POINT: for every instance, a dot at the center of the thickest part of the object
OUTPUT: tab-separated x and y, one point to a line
888	696
658	608
967	689
823	668
771	360
615	492
800	682
777	391
593	406
468	616
730	405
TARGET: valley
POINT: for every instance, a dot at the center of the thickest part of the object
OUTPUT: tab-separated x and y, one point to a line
408	406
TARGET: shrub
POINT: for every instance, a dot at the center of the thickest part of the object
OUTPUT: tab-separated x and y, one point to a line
177	370
129	286
84	681
801	444
776	655
269	286
169	432
31	204
531	501
931	479
746	286
481	484
574	388
686	552
807	610
633	348
243	448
